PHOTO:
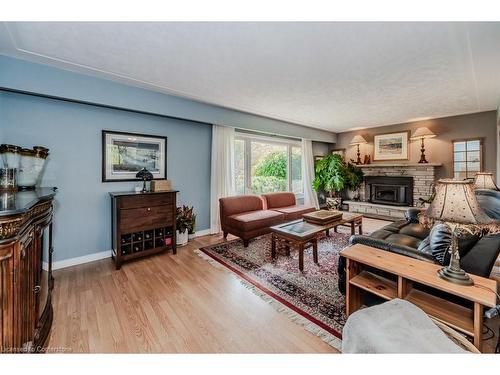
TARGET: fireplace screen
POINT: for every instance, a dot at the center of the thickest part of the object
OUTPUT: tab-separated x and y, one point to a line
396	191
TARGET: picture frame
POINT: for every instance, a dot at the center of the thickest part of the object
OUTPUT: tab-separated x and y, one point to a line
339	151
391	146
124	154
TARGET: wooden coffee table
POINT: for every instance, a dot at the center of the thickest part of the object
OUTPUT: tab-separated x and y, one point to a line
349	219
302	234
299	234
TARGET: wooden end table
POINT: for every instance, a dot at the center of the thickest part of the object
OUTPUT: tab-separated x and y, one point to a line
468	321
350	220
299	234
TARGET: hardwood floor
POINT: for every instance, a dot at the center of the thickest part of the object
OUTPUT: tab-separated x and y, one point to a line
171	304
168	304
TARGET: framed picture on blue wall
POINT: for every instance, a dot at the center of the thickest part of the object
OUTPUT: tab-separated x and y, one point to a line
125	154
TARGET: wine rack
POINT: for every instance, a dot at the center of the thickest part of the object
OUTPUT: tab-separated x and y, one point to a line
143	224
152	239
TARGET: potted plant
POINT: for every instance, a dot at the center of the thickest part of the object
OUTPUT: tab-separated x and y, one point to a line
333	175
184	224
192	230
354	180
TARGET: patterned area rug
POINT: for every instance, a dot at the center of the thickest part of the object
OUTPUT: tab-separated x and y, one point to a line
310	298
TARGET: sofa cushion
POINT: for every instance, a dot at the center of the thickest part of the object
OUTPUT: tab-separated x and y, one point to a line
480	261
403	239
439	241
255	220
277	200
415	230
381	234
396	226
295	212
240	204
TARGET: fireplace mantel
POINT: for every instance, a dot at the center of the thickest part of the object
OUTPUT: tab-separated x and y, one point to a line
392	165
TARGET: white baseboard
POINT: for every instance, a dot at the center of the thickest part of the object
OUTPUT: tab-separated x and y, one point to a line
204	232
81	260
65	263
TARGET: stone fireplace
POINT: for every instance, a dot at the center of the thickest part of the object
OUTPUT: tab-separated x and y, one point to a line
391	188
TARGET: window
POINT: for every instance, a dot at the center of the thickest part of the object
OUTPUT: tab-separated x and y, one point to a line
267	164
467	158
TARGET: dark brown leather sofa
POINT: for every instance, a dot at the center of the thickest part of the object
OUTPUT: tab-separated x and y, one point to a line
407	237
250	216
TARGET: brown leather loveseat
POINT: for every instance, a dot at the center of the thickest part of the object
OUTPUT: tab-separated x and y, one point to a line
250	216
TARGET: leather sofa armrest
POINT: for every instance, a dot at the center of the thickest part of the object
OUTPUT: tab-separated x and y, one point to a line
392	247
369	241
411	214
413	253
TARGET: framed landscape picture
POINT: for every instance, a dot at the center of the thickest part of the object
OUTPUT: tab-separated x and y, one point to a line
340	151
125	154
391	146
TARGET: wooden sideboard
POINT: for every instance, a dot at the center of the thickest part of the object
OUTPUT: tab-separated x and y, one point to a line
25	269
142	224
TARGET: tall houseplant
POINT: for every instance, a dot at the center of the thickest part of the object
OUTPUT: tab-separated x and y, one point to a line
334	175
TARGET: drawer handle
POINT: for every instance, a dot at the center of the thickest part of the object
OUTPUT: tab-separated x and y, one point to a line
149	209
36	289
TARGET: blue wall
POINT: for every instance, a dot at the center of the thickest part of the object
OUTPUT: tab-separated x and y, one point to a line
72	132
28	76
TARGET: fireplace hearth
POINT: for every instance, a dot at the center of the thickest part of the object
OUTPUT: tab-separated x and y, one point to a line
389	190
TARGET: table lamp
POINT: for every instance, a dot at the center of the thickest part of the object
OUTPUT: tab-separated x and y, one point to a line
144	175
456	206
484	180
422	133
356	141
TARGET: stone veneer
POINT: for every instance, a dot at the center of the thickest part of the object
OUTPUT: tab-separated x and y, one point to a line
424	176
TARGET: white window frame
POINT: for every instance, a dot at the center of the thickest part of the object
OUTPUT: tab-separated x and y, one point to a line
248	138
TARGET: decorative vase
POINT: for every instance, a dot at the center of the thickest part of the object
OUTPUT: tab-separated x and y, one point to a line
182	238
31	166
333	203
10	156
351	194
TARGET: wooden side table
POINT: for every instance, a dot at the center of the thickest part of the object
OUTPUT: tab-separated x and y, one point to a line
468	321
351	220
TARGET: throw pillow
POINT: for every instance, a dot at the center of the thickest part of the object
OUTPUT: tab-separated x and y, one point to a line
439	240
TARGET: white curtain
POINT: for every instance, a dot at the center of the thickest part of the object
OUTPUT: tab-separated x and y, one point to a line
310	196
222	171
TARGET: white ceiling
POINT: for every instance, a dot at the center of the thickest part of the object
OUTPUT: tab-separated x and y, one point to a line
334	76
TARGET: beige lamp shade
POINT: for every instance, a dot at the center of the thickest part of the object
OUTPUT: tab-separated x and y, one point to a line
422	133
484	180
358	140
455	202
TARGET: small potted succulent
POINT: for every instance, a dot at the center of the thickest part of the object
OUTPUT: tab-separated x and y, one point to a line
185	223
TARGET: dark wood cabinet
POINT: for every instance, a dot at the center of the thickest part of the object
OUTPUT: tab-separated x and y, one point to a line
142	224
25	269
